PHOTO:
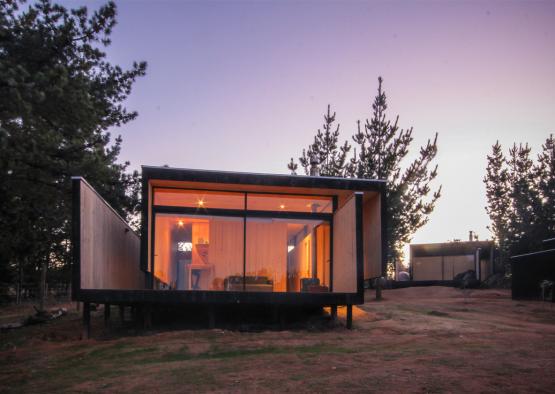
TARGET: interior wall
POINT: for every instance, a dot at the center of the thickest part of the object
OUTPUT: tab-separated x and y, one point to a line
109	248
226	250
323	254
266	253
372	235
344	248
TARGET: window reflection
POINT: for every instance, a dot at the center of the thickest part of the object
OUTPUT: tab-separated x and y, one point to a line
289	203
199	199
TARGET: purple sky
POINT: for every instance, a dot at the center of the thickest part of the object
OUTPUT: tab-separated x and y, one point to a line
243	86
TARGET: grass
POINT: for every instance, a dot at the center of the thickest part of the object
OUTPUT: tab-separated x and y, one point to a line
409	346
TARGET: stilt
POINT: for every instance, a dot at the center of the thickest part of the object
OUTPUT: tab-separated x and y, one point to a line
281	313
122	314
107	315
378	289
333	312
275	314
86	320
349	316
147	317
211	317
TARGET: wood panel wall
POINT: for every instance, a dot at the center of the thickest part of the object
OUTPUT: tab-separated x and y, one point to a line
441	267
345	248
267	251
109	248
226	250
372	235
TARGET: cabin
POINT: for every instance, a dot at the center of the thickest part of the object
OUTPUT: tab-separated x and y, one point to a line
220	238
441	262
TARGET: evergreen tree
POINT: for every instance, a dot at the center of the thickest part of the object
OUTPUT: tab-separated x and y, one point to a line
58	97
325	153
525	231
545	184
499	203
382	146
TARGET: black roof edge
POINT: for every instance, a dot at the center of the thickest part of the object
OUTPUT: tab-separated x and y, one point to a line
248	178
539	252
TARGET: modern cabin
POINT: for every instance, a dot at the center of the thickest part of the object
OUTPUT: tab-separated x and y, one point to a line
214	237
436	262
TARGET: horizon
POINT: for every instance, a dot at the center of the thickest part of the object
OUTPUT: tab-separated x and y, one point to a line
244	86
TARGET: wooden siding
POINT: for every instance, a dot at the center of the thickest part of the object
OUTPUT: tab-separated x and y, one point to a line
372	235
345	249
109	249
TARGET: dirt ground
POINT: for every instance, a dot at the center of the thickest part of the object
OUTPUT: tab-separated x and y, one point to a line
421	340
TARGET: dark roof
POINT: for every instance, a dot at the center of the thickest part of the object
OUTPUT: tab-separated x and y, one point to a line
448	248
248	178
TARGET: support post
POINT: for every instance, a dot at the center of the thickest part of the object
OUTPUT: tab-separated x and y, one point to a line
211	317
147	317
333	312
107	315
122	314
281	312
379	289
349	316
86	320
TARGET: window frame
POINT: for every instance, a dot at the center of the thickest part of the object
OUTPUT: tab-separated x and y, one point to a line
243	213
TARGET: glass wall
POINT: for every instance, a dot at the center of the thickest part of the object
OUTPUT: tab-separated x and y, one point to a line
287	255
246	250
289	203
197	252
198	199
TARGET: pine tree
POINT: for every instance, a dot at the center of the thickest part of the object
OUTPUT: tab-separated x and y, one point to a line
499	203
382	146
544	172
325	153
410	200
58	97
525	211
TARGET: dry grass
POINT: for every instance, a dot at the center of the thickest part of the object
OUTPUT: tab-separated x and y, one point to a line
417	340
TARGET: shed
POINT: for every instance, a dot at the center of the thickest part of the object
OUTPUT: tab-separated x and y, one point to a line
443	261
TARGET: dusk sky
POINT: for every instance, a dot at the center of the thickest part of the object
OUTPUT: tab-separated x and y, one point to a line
243	85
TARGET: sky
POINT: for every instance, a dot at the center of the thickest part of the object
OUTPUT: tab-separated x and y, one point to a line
242	86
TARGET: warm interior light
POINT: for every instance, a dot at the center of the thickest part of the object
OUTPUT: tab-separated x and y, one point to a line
200	203
282	206
180	223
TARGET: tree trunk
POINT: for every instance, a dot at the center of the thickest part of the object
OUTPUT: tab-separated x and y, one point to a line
19	283
42	285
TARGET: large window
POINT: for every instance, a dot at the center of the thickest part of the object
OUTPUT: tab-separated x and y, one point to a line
199	199
289	203
287	255
197	252
260	249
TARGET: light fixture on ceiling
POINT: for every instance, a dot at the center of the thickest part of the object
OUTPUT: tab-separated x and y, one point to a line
200	203
282	206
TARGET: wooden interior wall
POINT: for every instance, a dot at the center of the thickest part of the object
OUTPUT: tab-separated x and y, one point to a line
323	254
110	249
163	249
266	253
344	249
226	250
372	235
